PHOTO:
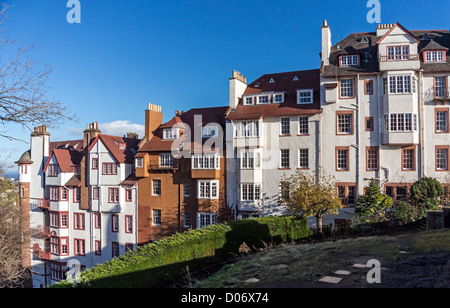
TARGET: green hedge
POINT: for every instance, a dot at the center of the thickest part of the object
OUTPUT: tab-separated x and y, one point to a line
165	261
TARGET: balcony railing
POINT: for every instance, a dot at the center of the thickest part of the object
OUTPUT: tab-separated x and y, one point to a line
43	204
45	255
41	231
392	58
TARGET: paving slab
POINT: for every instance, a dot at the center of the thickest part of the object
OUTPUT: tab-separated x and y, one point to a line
342	272
330	279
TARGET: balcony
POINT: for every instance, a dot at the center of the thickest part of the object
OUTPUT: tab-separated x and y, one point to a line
391	58
158	167
205	173
400	138
399	62
43	204
41	232
45	255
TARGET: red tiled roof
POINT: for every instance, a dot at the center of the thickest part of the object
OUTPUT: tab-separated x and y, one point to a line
283	82
199	116
112	144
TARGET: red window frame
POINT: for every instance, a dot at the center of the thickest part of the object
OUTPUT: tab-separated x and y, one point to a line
109	169
114	221
128	195
128	223
95	193
79	221
114	193
79	247
94	164
76	195
97	220
98	247
113	247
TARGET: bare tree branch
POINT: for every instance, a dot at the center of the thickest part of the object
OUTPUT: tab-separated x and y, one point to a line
24	92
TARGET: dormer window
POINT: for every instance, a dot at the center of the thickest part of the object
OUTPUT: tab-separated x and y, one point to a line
248	100
122	146
350	60
264	99
139	162
272	80
209	131
278	98
170	133
305	96
434	56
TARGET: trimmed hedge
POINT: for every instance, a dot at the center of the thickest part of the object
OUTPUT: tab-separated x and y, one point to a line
165	261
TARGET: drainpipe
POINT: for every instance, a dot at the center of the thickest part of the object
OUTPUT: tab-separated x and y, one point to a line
420	124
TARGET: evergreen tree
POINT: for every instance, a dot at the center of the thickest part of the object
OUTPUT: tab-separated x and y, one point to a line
373	205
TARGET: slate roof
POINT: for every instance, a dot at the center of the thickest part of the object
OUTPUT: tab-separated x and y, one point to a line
368	52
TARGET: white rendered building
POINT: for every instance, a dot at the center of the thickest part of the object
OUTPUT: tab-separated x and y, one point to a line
81	199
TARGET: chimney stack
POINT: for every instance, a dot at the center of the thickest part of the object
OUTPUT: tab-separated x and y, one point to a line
238	85
153	119
90	133
326	43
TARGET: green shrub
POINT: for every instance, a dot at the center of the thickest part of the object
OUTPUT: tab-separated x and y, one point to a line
407	213
427	193
165	261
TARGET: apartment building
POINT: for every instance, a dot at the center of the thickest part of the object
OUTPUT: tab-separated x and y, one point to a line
181	169
79	202
272	131
385	109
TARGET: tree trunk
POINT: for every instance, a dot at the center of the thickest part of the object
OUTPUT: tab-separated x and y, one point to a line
319	224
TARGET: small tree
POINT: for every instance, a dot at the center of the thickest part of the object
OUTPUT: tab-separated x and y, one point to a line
373	205
312	195
426	193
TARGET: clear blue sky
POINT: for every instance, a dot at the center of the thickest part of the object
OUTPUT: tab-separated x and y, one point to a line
180	54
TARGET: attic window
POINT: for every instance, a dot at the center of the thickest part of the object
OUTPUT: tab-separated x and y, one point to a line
295	79
257	84
349	60
170	133
425	37
434	56
364	40
271	80
122	146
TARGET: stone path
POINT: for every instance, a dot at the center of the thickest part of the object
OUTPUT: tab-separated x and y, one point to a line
341	274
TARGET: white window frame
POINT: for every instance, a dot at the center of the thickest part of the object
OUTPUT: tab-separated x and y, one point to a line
208	189
303	160
186	189
400	84
139	162
166	160
349	60
205	161
284	157
400	122
302	125
305	100
247	129
285	126
248	100
261	97
250	159
156	187
250	192
280	101
170	133
434	56
156	217
210	131
206	219
186	220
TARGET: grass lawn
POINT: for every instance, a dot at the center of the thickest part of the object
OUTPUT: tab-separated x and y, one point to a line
409	259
